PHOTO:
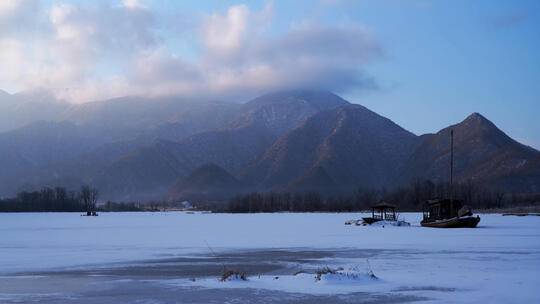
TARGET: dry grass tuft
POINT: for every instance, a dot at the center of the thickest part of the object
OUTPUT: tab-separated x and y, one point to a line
326	270
228	274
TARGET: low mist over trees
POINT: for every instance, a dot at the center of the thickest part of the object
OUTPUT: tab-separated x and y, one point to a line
60	200
411	198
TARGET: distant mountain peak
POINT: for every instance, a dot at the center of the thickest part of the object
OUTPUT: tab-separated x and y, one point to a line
317	98
475	123
207	181
473	132
316	179
208	174
476	117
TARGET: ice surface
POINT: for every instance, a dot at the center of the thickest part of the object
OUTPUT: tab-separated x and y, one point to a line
498	262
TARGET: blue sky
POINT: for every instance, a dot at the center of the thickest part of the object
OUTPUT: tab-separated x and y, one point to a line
424	64
448	59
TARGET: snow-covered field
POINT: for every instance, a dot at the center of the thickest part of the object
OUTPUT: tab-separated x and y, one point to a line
177	257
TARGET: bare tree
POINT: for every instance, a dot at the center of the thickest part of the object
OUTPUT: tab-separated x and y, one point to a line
416	191
499	198
85	197
88	197
94	194
61	194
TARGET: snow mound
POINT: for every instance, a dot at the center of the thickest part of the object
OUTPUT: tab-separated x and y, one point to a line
379	223
340	276
391	224
346	278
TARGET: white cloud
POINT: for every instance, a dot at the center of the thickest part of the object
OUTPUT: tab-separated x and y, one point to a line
133	4
59	13
8	6
17	17
225	33
103	51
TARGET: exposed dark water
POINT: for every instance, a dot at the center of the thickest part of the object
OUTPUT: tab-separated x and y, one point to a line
142	282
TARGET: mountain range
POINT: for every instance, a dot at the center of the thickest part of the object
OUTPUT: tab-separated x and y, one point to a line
136	149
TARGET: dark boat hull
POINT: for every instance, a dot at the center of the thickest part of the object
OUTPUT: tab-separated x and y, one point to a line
456	222
370	220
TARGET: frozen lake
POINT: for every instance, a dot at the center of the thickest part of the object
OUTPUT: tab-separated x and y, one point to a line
176	257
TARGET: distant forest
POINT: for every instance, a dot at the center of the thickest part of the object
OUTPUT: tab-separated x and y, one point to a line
61	200
411	198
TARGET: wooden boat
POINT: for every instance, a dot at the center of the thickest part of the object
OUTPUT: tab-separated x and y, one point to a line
456	222
446	213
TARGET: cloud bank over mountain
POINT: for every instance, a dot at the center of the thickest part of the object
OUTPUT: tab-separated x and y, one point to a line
101	50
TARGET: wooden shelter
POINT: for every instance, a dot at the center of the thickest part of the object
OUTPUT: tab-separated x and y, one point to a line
381	211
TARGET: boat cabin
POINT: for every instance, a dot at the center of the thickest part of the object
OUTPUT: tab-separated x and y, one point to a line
440	209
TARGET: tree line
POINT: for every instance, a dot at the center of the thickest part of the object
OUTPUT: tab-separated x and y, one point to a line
406	198
59	199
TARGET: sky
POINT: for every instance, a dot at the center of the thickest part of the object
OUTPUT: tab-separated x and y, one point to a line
424	64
